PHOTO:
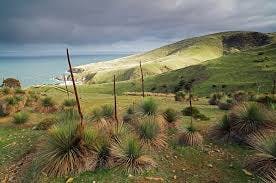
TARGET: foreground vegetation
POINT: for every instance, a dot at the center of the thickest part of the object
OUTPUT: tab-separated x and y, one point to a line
174	162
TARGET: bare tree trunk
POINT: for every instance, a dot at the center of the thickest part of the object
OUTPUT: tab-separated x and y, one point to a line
75	88
142	80
64	78
115	100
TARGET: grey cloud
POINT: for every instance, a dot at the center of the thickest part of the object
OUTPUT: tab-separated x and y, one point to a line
111	22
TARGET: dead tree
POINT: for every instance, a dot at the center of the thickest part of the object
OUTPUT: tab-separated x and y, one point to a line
75	88
115	100
65	83
142	80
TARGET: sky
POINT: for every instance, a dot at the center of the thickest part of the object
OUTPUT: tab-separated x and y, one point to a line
42	27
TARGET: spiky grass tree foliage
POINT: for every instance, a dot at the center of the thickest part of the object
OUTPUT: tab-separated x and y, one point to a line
130	115
170	115
248	118
151	132
20	118
19	91
221	131
130	156
69	103
264	161
65	151
189	136
149	106
107	111
68	114
6	91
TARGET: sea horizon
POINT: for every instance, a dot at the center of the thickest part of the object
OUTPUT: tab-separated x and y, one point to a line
42	69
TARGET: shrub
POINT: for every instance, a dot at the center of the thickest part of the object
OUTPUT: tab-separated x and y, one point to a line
170	115
64	152
225	103
263	163
47	102
248	118
46	123
188	111
215	97
101	148
189	136
69	102
179	96
221	131
151	133
20	118
149	106
130	156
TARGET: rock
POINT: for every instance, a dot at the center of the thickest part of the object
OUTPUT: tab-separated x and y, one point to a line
247	172
210	165
183	169
174	177
159	179
173	171
167	156
129	175
94	181
175	157
69	180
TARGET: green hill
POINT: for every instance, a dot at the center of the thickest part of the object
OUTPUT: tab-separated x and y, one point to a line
178	55
253	68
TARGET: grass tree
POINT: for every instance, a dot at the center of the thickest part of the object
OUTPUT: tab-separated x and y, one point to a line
130	155
248	118
149	107
189	135
170	115
263	163
221	131
151	132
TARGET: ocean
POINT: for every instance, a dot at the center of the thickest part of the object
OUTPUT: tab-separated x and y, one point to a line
43	69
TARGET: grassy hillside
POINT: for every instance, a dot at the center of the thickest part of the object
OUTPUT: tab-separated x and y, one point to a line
178	55
252	69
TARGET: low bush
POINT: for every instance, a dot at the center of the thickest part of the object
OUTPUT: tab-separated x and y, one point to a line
188	111
19	91
11	100
46	123
225	103
240	96
215	97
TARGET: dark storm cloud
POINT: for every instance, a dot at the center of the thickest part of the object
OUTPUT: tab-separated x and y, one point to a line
111	22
